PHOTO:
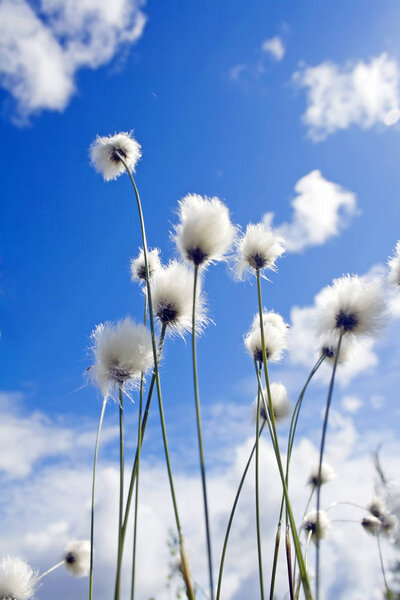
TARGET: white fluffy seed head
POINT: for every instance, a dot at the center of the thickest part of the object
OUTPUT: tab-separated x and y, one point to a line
351	305
280	402
138	267
122	352
371	524
18	581
377	508
394	266
275	334
258	248
77	557
172	296
106	153
389	524
318	527
328	344
205	232
327	474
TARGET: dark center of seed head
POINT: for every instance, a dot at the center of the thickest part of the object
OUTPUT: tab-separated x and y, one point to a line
346	321
141	272
258	355
167	314
258	261
70	558
196	255
117	153
119	374
328	352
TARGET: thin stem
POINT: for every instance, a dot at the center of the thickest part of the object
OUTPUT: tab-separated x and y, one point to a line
96	451
289	563
121	488
260	569
228	529
309	501
274	438
275	561
306	559
388	590
51	570
139	446
199	433
321	455
346	503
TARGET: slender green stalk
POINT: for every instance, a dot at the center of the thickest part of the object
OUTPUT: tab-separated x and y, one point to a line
139	446
230	521
121	487
289	562
275	561
321	455
96	451
260	569
274	438
306	558
199	434
62	562
389	593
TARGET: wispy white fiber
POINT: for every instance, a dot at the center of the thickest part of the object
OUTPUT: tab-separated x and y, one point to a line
258	248
138	267
327	474
18	581
318	527
205	232
106	153
280	402
77	557
394	266
328	344
275	334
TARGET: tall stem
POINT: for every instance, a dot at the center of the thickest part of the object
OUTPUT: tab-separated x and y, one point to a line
389	592
199	434
121	488
321	455
274	438
257	490
289	562
96	451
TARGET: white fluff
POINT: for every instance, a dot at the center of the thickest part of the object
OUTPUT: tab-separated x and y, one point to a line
377	507
138	267
389	524
77	557
280	402
328	345
205	232
275	334
371	524
104	154
172	295
258	248
327	474
18	580
310	524
394	266
351	305
122	352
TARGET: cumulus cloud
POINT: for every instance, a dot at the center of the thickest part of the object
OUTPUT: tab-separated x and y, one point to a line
351	404
274	47
321	210
42	48
361	93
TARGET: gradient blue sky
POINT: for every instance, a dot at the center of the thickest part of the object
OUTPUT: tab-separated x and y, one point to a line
216	115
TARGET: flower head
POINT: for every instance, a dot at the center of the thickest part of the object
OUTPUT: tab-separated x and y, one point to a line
351	305
377	507
327	474
328	346
258	248
317	526
122	352
394	267
138	267
77	557
172	294
106	154
280	402
389	524
371	524
275	334
205	232
18	581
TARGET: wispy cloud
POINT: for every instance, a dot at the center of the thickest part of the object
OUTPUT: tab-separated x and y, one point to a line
42	49
271	48
360	93
274	47
321	210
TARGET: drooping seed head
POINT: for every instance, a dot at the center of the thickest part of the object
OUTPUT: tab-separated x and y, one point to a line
327	474
275	334
318	527
106	153
77	557
280	402
138	266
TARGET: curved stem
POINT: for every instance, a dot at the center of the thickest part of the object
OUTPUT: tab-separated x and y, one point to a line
257	490
51	570
96	451
321	455
121	488
199	434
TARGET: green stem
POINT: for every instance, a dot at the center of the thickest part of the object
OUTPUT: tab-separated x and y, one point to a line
389	592
96	451
139	446
199	434
228	529
289	563
62	562
321	455
260	569
121	487
274	438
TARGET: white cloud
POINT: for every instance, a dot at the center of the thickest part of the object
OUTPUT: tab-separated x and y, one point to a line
40	51
351	404
361	93
274	47
321	210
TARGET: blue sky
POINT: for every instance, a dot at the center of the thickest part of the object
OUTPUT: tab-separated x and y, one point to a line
260	105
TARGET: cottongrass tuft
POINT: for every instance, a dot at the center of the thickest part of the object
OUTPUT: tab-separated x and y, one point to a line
327	474
318	527
328	347
371	524
205	232
18	581
377	507
351	306
77	557
122	352
280	402
275	333
258	248
138	266
172	295
394	267
106	153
